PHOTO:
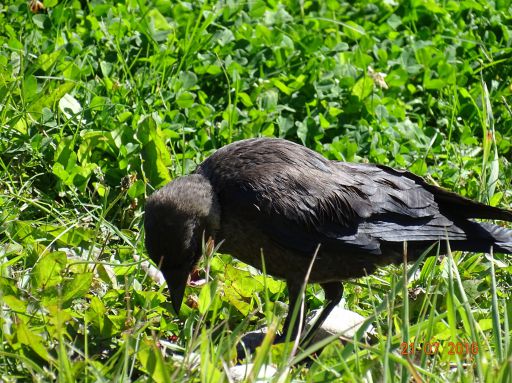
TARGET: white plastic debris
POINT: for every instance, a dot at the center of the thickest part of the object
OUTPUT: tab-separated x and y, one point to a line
241	372
340	321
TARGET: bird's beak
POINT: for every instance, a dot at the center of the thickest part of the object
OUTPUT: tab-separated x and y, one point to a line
177	284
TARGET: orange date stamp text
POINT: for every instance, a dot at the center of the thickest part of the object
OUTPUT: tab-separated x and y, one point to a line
432	348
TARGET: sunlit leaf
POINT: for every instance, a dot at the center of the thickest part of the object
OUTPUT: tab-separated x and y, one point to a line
47	271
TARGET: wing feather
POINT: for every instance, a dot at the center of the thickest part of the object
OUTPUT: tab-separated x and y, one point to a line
301	199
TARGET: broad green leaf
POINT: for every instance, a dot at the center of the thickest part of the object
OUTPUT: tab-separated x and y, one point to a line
97	315
496	198
59	318
74	236
137	189
233	297
353	30
397	77
151	359
60	172
106	68
205	298
25	336
21	125
363	87
47	271
394	21
53	97
155	154
15	303
158	20
40	20
47	60
245	98
30	87
76	287
185	99
432	83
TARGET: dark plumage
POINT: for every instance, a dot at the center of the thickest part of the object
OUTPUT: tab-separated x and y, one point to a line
280	199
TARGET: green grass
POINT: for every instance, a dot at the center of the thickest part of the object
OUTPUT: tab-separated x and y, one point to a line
103	102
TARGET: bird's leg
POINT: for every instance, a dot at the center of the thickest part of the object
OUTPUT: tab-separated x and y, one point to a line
292	323
333	294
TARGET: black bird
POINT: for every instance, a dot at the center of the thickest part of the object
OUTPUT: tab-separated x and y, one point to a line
282	200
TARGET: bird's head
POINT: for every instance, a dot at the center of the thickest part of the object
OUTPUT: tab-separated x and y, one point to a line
177	218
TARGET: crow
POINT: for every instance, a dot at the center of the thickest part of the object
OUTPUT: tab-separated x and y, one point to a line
280	203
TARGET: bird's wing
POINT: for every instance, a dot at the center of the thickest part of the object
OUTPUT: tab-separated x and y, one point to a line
300	199
349	207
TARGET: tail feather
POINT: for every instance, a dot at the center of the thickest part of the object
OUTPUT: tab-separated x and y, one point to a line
501	236
504	248
453	202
